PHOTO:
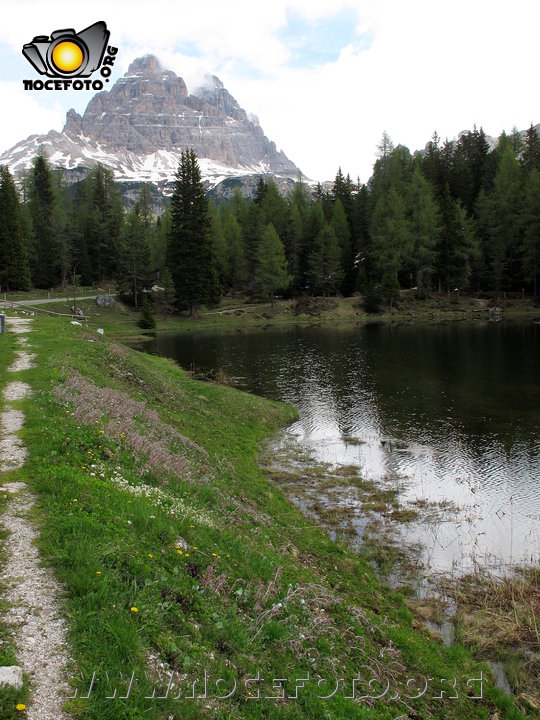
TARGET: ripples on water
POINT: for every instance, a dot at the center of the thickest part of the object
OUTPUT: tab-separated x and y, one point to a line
454	410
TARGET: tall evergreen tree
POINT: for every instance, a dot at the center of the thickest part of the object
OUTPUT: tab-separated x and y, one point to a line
456	248
104	223
506	199
425	229
42	202
133	273
165	296
530	157
531	229
190	256
236	260
160	240
14	268
325	270
271	273
390	236
342	231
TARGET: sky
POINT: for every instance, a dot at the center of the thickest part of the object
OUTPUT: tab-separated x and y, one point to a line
325	78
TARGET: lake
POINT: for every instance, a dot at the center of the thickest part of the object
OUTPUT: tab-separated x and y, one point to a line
450	410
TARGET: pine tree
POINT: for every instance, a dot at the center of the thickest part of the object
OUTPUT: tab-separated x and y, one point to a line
342	231
271	273
165	296
425	229
190	255
236	260
530	158
457	247
218	241
45	269
505	255
531	229
104	223
147	320
160	240
14	268
133	274
390	235
325	270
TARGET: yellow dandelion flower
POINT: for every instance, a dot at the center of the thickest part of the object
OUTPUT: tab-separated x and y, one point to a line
21	707
187	554
179	552
149	555
101	432
134	610
195	547
214	554
98	572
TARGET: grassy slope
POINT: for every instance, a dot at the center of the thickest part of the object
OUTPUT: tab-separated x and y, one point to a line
237	582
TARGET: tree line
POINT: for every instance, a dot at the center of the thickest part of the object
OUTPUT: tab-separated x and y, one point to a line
457	216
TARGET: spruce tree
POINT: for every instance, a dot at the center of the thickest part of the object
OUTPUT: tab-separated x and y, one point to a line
531	229
45	268
147	320
14	268
165	296
342	231
325	270
530	157
190	255
133	273
425	229
271	273
236	259
104	223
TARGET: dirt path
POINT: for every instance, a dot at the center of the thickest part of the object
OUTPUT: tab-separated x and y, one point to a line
32	592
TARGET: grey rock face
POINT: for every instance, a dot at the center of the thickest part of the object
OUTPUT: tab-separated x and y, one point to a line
141	125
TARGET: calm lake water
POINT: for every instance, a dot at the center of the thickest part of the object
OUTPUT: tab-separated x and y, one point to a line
452	410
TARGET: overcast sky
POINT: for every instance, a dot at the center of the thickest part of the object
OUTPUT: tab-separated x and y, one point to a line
324	77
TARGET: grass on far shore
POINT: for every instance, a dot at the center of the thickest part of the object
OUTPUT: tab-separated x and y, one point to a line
245	314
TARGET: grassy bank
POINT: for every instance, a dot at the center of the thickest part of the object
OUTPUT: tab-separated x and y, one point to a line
180	558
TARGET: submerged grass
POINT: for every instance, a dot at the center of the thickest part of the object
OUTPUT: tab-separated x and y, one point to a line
499	618
236	585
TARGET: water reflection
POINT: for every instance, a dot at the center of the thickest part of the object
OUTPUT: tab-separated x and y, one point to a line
453	409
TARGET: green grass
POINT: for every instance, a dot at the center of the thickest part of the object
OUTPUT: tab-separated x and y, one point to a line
227	575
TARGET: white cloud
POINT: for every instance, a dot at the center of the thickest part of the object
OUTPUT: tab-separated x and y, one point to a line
22	115
431	65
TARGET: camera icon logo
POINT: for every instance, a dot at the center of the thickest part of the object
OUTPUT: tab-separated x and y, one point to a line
67	54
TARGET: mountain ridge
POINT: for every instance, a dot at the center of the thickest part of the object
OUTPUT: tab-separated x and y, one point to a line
139	127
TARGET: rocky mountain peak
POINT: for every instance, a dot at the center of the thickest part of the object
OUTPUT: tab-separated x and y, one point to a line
140	126
145	66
